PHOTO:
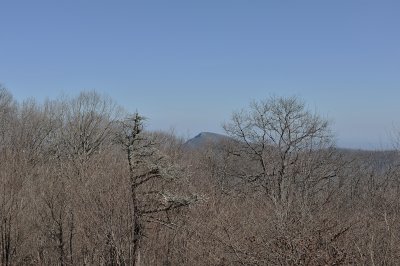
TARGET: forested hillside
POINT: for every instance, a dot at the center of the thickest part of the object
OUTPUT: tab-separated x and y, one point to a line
83	182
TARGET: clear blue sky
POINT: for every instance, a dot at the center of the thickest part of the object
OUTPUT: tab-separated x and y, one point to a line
189	64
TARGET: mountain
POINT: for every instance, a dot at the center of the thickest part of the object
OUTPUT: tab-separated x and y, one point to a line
205	138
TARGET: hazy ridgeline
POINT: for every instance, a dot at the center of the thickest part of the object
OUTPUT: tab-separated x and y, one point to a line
83	183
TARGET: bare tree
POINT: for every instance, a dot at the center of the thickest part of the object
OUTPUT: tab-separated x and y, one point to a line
87	127
149	171
7	111
275	134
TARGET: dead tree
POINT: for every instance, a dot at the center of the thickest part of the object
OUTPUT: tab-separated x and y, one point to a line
148	172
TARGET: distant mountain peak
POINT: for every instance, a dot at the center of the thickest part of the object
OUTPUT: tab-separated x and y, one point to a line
205	138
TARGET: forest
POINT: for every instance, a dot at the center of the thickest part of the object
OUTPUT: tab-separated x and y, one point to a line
83	182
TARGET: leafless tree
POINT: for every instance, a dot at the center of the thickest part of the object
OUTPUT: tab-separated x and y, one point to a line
148	172
276	134
87	126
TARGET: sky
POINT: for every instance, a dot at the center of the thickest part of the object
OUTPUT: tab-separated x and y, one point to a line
187	65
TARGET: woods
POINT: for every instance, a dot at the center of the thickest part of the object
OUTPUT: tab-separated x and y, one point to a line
84	183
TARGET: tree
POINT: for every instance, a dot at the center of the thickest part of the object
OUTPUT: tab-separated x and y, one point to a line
87	127
82	134
149	174
279	138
